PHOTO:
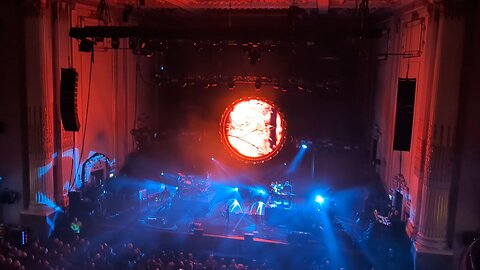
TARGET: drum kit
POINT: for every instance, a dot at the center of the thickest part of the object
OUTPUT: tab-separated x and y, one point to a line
281	194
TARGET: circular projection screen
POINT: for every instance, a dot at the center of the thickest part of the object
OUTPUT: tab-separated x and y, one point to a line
253	129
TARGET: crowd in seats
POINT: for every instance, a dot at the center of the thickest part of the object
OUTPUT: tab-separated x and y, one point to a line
80	254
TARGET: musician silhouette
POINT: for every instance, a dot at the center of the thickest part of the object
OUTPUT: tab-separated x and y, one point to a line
227	214
287	190
287	187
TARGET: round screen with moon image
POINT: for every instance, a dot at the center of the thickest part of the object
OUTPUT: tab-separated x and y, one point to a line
253	129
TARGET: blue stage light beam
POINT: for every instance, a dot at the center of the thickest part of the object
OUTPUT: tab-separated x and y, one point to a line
319	199
296	160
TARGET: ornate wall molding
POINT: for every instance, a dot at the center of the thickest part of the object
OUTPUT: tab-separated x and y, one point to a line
439	154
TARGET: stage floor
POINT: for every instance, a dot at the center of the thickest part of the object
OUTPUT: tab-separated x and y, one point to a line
247	236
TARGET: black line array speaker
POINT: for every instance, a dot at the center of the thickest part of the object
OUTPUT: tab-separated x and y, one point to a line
404	115
68	99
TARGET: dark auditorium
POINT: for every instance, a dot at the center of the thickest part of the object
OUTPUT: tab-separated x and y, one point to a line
240	135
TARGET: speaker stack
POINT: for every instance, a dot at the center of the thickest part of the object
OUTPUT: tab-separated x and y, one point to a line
404	114
68	99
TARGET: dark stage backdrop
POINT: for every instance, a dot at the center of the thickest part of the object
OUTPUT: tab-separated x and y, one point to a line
331	110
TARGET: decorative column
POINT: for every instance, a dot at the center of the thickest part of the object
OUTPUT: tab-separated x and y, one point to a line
61	56
438	173
39	115
431	243
424	117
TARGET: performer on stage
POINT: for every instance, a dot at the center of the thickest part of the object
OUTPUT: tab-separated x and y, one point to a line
287	187
227	214
287	190
165	195
165	199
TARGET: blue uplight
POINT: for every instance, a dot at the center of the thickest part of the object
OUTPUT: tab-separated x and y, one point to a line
319	199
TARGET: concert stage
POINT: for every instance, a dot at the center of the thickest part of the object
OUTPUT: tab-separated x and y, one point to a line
243	218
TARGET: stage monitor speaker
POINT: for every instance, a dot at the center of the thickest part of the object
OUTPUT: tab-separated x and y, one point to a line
198	232
299	237
248	237
68	99
404	114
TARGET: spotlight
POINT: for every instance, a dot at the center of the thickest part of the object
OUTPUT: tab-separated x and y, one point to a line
261	191
161	174
319	199
111	175
235	189
253	56
231	85
304	146
115	42
132	43
213	158
284	164
258	84
86	45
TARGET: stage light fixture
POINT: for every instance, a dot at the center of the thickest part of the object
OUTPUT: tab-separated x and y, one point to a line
253	56
304	146
261	191
161	174
258	84
86	45
235	189
115	42
319	199
231	85
213	158
132	43
127	10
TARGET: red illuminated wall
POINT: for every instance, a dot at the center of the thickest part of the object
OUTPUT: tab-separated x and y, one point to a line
389	70
119	95
30	102
443	146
